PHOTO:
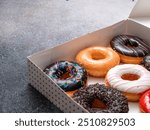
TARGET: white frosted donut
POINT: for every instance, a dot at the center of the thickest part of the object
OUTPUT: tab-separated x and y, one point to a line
115	80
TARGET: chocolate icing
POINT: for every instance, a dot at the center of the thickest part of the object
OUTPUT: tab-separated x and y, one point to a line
77	75
130	45
113	99
146	62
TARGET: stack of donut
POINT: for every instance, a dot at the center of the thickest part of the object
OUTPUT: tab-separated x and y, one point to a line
128	81
131	78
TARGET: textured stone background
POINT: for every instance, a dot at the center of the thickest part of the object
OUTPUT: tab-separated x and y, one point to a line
27	26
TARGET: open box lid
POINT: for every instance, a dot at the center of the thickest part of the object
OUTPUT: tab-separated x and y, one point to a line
141	12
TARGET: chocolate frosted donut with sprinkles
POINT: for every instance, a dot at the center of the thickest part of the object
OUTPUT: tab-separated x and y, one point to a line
113	100
131	49
67	74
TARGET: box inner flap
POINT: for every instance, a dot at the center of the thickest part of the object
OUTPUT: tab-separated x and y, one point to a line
142	31
142	20
141	9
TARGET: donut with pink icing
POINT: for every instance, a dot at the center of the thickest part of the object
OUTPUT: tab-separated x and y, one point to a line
133	80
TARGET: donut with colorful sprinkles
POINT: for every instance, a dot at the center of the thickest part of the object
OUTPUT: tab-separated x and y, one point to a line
146	62
67	74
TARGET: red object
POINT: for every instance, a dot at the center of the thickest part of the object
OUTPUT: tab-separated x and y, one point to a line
145	102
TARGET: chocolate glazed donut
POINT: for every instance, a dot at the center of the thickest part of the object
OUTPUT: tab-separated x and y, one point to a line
130	45
113	99
68	75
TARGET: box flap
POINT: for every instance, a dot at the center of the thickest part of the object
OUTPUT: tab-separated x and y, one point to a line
141	9
141	12
142	20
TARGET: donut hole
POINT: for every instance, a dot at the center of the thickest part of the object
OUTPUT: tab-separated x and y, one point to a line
65	72
97	55
65	75
96	103
130	77
131	43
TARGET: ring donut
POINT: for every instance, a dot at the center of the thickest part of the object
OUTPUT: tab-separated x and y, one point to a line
146	62
131	49
97	60
130	79
69	76
113	99
145	102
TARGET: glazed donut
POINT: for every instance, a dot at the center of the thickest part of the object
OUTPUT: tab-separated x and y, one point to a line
70	76
145	102
146	62
130	79
131	49
97	60
113	99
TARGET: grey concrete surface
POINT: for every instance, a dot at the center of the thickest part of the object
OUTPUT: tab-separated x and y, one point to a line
27	26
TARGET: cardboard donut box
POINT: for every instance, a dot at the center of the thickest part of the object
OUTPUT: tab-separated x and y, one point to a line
137	24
